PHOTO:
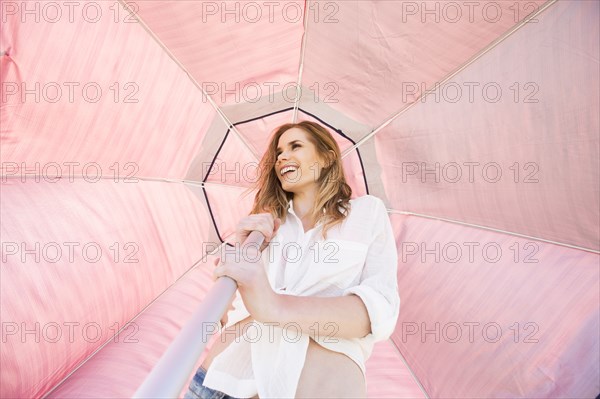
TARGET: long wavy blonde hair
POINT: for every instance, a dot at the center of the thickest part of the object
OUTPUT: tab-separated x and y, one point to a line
333	190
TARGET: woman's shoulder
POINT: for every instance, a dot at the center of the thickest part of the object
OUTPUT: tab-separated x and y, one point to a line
366	214
367	207
366	200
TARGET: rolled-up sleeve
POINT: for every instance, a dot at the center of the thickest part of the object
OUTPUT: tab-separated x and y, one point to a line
238	313
378	286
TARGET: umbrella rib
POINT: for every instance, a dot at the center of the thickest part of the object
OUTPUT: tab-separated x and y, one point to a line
38	177
438	84
194	81
301	66
415	378
494	230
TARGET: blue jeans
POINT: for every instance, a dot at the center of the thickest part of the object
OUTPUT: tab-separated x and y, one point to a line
198	391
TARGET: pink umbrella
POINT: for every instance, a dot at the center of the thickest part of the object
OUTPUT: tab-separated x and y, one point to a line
129	131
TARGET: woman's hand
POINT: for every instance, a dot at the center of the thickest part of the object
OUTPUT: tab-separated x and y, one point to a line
249	272
262	222
256	292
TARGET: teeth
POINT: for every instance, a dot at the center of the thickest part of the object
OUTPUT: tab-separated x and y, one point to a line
288	169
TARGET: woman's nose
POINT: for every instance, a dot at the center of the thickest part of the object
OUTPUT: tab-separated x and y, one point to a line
282	156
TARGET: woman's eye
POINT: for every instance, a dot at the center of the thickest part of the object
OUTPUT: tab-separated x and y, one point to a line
277	154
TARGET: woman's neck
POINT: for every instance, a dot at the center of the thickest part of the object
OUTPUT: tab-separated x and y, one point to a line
304	204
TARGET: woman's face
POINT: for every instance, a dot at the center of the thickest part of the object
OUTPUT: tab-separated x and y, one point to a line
298	159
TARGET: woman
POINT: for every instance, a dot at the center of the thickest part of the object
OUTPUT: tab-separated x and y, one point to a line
324	290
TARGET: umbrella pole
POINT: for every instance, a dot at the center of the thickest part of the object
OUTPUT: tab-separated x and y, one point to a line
169	375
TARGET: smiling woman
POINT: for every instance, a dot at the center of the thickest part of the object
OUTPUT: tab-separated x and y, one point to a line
303	163
325	290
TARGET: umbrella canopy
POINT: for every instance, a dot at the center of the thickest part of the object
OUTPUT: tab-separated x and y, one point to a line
129	131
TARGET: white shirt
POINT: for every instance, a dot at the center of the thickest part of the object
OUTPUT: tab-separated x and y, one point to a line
359	257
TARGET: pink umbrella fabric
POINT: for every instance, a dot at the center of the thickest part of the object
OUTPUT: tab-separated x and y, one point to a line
130	130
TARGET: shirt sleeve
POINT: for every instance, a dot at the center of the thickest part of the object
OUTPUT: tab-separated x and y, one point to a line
238	313
378	286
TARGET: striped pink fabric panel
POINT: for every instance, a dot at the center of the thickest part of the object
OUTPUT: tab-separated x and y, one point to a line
485	314
80	260
103	94
369	59
521	158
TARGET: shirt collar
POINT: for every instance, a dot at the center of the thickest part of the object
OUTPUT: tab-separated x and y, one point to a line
291	208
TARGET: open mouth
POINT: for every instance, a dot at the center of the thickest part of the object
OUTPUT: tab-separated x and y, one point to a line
290	173
288	169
